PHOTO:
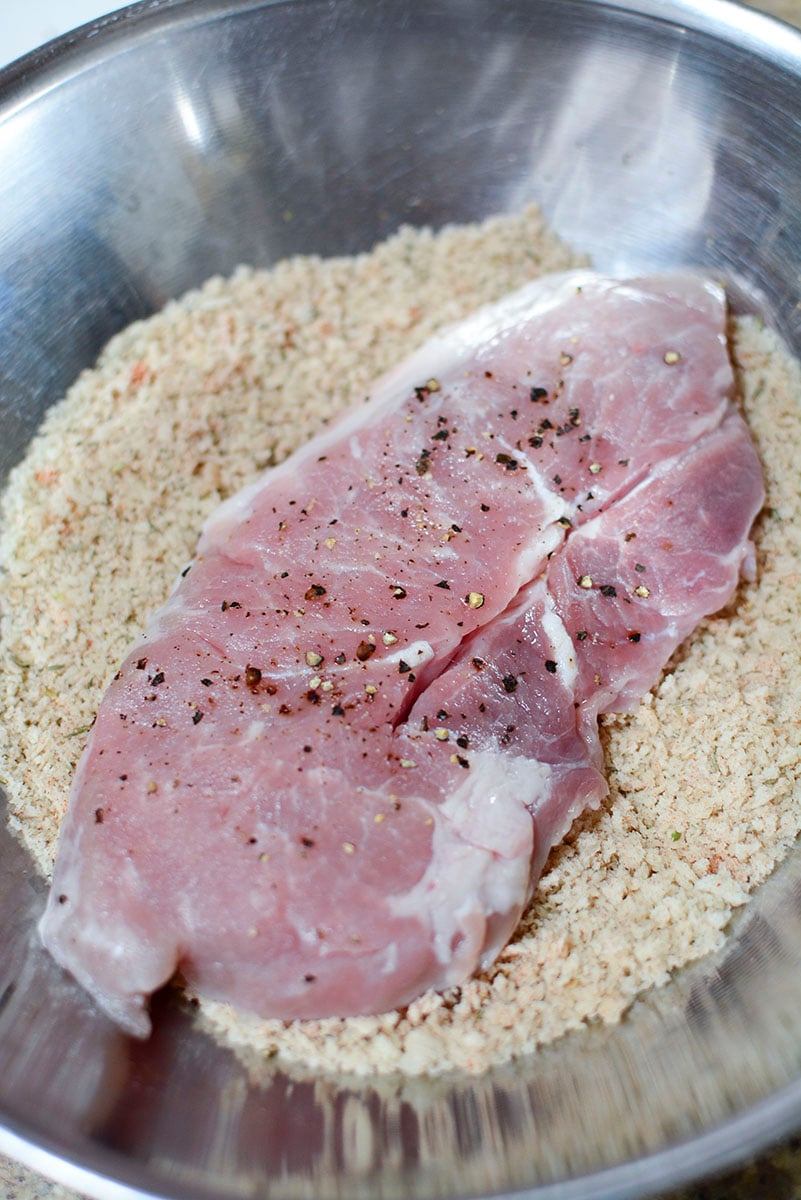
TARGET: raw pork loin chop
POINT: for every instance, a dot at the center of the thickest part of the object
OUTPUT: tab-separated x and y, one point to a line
330	774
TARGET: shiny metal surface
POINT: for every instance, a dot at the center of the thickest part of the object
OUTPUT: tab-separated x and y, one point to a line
168	143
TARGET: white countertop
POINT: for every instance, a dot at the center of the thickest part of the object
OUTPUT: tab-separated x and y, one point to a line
26	24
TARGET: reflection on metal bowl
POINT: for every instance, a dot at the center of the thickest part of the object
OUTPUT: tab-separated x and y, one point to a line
161	146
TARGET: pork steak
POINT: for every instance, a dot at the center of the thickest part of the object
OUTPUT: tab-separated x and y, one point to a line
330	773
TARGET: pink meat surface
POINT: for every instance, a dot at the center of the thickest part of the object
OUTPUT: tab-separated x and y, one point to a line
329	775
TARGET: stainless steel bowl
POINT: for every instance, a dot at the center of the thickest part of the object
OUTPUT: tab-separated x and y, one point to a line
151	150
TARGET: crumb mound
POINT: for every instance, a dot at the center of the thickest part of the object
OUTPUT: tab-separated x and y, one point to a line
186	407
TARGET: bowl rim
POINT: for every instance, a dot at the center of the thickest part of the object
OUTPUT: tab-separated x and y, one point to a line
722	18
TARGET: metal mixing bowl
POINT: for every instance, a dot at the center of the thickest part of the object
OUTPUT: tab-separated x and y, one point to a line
149	151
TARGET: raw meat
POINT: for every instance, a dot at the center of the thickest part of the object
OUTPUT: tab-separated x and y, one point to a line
330	774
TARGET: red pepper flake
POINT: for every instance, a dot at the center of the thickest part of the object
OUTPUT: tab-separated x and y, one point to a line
608	589
157	679
538	393
364	650
443	583
142	663
99	816
509	683
338	710
226	604
197	717
140	371
550	666
315	592
633	635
